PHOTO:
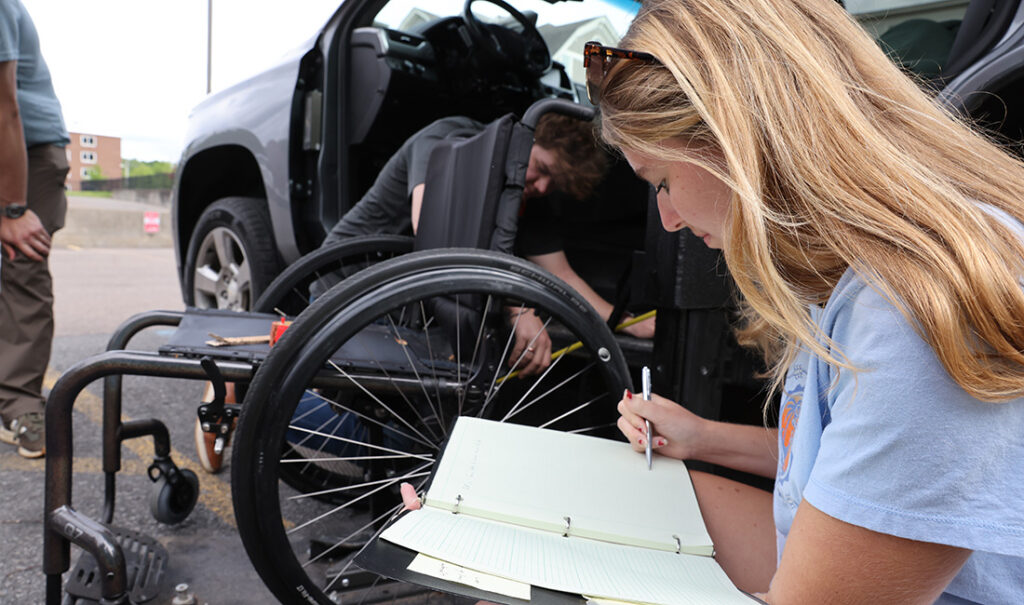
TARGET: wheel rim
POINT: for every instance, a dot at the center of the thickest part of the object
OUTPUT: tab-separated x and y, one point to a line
222	277
404	412
290	291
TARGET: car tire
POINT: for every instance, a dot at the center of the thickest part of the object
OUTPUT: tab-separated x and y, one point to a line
231	256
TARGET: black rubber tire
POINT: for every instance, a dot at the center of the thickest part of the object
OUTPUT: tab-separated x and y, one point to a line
245	223
173	504
289	291
330	321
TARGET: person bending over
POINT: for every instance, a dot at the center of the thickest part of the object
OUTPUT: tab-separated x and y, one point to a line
564	158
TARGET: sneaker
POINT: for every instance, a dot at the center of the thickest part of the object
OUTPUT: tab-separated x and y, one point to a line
28	432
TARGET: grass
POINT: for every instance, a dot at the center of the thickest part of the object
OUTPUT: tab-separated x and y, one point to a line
89	193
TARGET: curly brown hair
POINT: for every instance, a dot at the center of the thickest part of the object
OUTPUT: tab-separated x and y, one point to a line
580	163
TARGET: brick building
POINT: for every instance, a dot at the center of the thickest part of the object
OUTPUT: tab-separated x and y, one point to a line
90	151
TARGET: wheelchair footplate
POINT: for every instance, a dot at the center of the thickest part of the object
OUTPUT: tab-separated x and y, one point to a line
145	564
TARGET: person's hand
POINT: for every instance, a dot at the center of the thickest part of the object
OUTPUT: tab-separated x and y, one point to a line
532	343
643	329
675	431
409	497
25	234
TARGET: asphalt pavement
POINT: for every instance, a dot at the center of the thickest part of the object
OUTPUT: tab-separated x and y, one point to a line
96	289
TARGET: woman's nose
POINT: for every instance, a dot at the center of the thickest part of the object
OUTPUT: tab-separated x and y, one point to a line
669	218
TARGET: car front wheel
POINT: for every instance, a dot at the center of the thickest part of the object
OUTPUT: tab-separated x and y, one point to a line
231	257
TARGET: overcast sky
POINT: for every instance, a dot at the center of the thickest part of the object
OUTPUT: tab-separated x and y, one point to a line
135	68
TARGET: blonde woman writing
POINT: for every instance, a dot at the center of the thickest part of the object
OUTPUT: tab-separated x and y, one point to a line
877	246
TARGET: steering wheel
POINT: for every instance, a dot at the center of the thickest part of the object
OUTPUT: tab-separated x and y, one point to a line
524	52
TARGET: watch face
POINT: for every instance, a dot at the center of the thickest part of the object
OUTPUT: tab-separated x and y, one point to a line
14	210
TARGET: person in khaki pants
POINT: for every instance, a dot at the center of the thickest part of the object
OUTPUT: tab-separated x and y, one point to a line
33	166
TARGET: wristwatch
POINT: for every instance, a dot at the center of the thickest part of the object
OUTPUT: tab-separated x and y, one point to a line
14	210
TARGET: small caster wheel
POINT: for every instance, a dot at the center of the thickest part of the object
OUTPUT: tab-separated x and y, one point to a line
171	504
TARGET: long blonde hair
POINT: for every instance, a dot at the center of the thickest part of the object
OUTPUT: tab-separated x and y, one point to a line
836	160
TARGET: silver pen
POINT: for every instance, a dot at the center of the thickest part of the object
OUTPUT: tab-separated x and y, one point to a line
645	377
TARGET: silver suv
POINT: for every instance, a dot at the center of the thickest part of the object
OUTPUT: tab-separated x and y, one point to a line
273	162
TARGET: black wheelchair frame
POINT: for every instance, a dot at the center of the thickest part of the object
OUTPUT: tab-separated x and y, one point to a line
693	358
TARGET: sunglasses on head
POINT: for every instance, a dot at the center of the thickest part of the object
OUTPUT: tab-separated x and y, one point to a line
598	60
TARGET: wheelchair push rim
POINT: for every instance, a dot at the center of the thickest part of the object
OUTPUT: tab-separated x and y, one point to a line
448	370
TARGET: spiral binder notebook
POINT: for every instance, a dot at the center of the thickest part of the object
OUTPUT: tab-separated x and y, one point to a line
568	513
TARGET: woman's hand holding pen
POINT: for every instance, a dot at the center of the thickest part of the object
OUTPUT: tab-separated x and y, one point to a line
676	430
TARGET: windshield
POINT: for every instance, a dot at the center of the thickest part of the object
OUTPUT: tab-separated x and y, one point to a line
565	26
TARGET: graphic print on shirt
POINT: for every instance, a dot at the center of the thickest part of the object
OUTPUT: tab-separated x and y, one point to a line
793	396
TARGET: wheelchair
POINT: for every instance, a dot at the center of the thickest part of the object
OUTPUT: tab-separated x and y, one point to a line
358	394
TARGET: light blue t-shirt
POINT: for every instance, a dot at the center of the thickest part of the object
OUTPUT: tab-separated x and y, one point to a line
901	449
41	116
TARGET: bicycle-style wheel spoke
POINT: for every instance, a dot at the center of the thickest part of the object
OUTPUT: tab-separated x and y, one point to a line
322	427
420	438
338	543
517	408
336	490
378	401
367	444
431	357
420	472
476	349
347	459
369	400
412	364
392	514
581	406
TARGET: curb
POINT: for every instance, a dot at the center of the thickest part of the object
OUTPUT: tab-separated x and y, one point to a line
110	223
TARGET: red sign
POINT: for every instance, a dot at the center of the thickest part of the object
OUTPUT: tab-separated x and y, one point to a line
151	222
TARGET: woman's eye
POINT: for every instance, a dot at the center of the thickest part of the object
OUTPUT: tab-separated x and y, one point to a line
662	186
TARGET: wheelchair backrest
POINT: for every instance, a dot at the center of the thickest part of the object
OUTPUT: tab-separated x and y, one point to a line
472	192
474	186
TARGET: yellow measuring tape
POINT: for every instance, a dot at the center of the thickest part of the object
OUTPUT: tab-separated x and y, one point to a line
578	344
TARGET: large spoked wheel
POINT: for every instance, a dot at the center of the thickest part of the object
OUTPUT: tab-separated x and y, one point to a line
368	381
291	292
292	289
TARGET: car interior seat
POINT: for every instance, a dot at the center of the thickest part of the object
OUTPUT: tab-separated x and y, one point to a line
940	51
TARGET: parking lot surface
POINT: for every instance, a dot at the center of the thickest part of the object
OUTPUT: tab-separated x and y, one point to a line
97	289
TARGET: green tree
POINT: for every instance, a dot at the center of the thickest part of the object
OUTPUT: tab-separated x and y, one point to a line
134	167
93	173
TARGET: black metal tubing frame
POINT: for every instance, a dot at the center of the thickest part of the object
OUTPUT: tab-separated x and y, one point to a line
62	524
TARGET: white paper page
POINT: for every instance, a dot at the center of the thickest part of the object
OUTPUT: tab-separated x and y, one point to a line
537	477
574	565
470	577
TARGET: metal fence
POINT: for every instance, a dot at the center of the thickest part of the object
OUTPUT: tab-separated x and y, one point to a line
154	181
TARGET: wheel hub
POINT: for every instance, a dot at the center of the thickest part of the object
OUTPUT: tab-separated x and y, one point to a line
229	291
220	281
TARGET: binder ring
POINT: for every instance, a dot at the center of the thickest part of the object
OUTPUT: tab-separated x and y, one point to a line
458	503
568	522
679	544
